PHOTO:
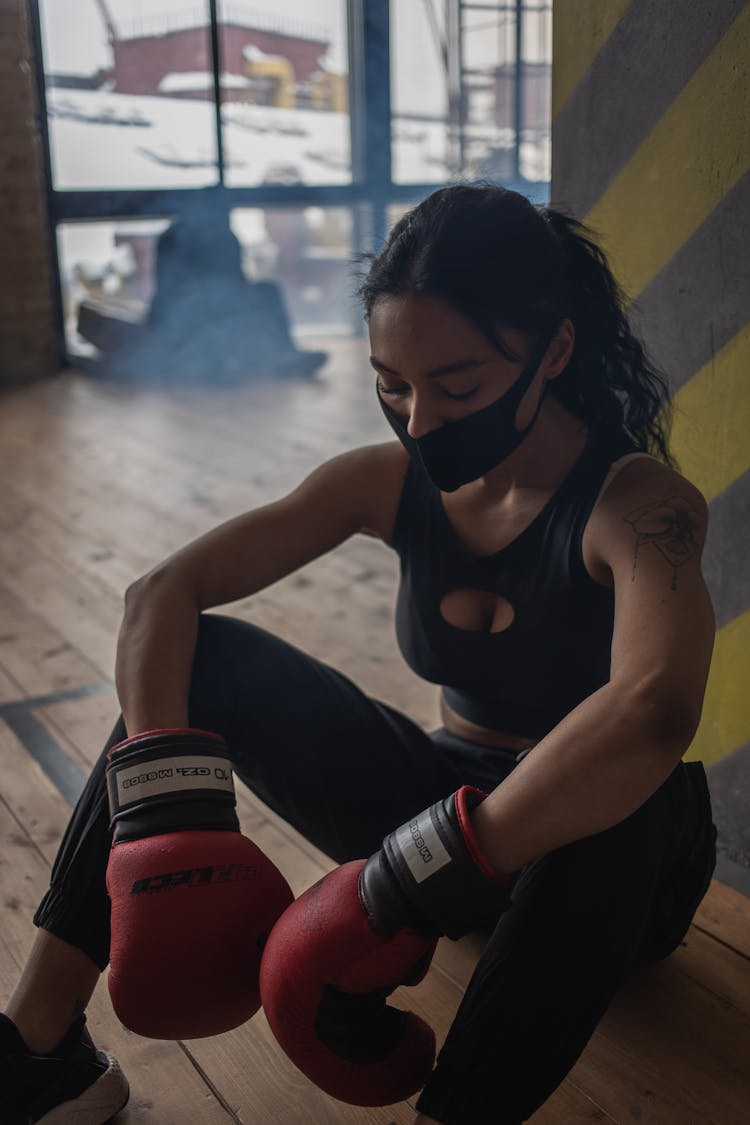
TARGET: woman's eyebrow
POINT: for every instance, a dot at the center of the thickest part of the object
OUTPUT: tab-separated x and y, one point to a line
449	368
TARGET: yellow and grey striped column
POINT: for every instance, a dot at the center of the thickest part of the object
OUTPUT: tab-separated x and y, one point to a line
651	148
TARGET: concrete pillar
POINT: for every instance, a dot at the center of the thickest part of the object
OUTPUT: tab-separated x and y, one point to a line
651	148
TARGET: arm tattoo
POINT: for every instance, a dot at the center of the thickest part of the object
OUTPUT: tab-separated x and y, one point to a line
671	526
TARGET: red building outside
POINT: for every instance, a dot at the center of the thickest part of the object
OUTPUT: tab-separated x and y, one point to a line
150	51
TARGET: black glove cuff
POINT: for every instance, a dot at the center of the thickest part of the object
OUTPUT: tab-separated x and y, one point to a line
436	866
171	781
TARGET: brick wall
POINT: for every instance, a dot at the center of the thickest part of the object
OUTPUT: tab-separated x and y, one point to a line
28	336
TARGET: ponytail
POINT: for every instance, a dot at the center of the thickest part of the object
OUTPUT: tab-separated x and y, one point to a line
610	378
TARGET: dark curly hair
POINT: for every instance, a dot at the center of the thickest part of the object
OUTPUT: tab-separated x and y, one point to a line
501	260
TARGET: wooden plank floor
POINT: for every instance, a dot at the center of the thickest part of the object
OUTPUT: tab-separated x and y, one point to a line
100	482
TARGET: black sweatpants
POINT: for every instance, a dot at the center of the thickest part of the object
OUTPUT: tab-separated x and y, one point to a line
345	769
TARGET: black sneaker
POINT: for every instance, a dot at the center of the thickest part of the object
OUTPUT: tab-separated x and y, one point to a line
73	1083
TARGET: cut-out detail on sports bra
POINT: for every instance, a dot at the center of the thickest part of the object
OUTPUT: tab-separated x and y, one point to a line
477	611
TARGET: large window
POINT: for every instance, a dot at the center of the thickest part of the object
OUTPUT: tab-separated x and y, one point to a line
285	93
471	90
131	94
308	123
118	117
111	267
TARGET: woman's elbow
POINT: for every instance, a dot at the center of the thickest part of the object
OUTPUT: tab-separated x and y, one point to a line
139	589
163	581
671	714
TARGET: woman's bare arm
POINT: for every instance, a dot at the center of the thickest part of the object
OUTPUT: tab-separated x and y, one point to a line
156	643
612	751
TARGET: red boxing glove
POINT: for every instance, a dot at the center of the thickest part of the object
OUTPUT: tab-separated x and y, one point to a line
193	900
339	951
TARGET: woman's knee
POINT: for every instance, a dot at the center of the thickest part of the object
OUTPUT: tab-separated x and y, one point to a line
244	680
227	662
600	889
688	878
220	638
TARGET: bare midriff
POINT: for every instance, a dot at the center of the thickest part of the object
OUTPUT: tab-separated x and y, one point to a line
485	736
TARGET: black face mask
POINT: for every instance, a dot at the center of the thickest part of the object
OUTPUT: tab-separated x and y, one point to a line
458	452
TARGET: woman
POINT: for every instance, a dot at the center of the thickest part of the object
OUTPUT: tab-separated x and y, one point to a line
550	581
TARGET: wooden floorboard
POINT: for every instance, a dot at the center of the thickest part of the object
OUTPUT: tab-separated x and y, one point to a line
101	482
724	913
34	657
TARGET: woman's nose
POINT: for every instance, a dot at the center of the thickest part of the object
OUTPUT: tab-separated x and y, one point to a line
422	419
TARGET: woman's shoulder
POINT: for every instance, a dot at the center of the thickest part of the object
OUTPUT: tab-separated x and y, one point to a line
641	492
379	471
635	474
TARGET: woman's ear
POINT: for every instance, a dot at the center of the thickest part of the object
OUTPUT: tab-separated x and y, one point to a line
560	349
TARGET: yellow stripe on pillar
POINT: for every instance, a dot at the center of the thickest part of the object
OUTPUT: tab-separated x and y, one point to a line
695	154
712	419
709	438
725	724
580	28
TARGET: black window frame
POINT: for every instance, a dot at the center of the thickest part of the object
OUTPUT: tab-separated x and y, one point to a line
369	194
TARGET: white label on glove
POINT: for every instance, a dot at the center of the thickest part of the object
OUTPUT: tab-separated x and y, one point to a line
169	775
421	847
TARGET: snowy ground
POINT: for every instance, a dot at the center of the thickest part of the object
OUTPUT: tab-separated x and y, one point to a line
102	140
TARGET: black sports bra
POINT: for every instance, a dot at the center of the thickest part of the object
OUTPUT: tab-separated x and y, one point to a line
556	651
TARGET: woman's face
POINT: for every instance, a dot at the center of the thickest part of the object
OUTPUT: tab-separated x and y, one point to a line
435	366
